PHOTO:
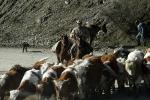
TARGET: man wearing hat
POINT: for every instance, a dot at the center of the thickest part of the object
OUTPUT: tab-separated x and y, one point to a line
77	30
75	34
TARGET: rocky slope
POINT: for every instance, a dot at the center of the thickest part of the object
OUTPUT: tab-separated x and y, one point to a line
42	22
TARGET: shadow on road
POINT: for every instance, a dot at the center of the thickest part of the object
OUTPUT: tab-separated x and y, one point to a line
35	51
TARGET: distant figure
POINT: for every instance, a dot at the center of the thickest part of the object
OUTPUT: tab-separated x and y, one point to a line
140	35
25	45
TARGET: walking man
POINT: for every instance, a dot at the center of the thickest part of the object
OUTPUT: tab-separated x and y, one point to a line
140	35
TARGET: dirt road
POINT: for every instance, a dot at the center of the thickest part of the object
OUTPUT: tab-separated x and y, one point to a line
11	56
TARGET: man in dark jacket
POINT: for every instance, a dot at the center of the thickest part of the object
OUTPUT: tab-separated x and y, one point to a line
25	45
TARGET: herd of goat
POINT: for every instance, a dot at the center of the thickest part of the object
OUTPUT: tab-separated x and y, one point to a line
81	79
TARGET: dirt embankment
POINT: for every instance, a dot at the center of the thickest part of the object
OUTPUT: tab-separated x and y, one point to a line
41	22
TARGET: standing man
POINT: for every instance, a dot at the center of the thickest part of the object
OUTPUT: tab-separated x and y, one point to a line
75	35
140	35
25	45
78	31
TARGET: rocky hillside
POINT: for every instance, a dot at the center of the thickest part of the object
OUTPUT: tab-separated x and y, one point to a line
41	22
